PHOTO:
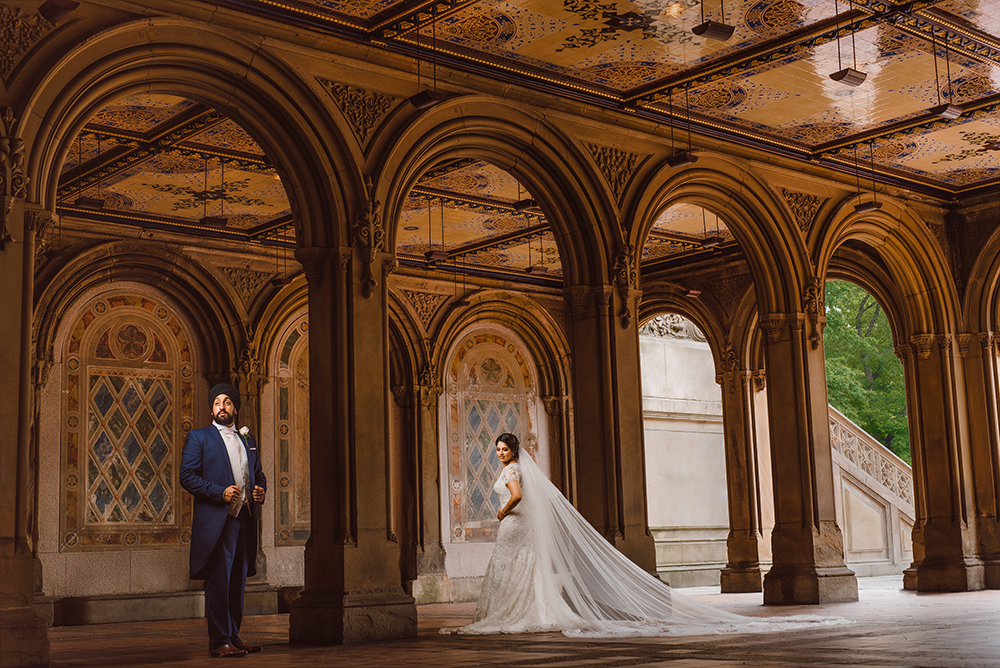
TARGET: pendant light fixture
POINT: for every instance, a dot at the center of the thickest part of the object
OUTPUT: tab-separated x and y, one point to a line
686	157
945	110
523	204
539	268
714	29
851	76
710	240
425	99
435	255
874	204
220	220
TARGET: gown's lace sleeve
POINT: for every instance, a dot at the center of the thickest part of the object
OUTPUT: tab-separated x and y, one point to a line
510	473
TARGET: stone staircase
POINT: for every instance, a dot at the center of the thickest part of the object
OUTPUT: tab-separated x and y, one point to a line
874	491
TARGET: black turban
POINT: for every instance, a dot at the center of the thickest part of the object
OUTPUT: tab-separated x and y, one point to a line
229	391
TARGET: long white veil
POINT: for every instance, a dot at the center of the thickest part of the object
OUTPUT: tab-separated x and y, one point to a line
594	590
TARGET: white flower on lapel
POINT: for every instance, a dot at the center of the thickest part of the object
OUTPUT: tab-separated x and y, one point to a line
244	431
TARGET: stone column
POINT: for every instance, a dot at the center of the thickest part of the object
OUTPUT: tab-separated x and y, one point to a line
249	382
609	467
945	542
982	383
808	548
353	591
743	572
24	637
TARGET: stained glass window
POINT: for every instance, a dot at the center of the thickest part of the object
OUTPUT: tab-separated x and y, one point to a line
491	391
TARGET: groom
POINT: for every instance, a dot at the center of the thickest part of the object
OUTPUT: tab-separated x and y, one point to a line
222	470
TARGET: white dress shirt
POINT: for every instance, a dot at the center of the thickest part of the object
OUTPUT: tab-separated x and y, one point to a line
241	468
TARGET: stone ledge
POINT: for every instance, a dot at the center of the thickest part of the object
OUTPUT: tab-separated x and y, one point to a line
82	610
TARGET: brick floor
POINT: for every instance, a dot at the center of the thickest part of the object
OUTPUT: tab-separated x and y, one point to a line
893	628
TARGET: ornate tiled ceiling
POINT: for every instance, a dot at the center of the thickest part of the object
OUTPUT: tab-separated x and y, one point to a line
768	85
168	163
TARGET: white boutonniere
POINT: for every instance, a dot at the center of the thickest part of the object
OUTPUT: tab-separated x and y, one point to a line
244	431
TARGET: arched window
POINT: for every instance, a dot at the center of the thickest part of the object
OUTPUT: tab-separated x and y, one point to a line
491	390
127	405
291	415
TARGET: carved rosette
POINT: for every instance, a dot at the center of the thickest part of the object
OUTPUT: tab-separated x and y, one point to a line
12	178
815	309
369	236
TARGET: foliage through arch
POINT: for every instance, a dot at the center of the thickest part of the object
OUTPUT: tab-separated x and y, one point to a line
864	377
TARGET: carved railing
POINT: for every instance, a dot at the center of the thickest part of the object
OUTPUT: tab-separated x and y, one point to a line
859	448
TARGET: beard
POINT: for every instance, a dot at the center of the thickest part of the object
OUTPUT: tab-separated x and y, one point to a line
224	418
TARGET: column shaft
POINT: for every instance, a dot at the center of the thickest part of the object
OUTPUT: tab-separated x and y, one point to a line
808	548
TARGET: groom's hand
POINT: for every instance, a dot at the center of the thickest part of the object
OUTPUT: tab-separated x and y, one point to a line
258	494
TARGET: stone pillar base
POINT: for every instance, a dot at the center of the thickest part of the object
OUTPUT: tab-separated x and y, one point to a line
991	574
741	579
794	586
910	578
24	639
951	575
338	618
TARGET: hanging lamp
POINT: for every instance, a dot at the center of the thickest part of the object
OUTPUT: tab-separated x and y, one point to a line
874	204
945	110
714	29
220	220
851	76
425	99
685	157
93	203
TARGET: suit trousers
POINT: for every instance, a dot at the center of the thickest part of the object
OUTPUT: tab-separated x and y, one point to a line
226	579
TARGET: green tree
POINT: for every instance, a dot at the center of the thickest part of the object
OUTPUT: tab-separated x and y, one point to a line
864	377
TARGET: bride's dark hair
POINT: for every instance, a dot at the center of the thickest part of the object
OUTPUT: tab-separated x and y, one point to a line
510	440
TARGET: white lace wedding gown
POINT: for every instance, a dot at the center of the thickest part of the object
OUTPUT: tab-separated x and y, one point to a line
551	571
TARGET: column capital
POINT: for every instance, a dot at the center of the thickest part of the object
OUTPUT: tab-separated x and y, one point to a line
779	326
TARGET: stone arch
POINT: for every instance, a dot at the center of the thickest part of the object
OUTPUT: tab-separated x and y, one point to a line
549	165
770	242
656	302
981	305
233	75
194	290
853	264
914	263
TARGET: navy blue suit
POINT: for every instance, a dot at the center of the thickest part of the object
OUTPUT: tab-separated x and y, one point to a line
223	547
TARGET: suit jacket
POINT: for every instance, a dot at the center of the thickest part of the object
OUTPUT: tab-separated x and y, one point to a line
206	472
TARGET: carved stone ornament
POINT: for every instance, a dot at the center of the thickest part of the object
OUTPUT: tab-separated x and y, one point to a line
313	261
20	31
626	277
773	325
578	297
369	236
988	341
362	109
902	352
759	380
730	360
246	281
804	207
729	290
923	345
249	380
964	344
425	304
616	166
673	326
815	309
12	178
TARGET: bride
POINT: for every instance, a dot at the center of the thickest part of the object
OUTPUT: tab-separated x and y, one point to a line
551	571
